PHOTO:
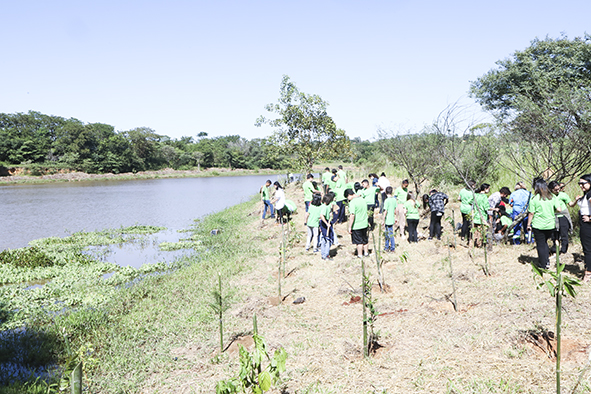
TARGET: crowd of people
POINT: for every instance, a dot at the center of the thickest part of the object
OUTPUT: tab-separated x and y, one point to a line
518	216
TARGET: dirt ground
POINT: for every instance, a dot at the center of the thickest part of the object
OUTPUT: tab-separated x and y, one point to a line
499	341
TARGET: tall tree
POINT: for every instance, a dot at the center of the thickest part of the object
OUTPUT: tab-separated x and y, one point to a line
542	99
305	131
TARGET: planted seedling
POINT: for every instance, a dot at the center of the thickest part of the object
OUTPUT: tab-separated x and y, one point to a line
219	306
558	286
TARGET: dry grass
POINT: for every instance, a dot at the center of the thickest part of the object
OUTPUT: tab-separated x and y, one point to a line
427	347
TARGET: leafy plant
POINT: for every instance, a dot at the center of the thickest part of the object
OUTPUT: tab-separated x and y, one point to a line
219	306
404	257
253	377
558	286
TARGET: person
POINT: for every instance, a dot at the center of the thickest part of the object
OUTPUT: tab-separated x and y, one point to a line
327	235
400	194
267	200
480	213
519	201
383	183
466	199
358	223
369	194
563	217
340	198
309	190
542	219
312	220
412	217
342	174
279	201
437	202
496	198
502	223
584	203
326	179
390	204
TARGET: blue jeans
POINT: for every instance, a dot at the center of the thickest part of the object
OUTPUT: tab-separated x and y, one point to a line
324	247
307	204
390	244
268	205
522	225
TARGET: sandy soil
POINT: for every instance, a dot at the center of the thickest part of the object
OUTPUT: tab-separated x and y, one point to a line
494	343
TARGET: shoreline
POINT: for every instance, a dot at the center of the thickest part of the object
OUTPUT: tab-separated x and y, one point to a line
160	174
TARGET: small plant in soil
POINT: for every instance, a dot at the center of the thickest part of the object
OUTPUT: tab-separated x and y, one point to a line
379	261
253	377
558	286
219	306
370	337
404	257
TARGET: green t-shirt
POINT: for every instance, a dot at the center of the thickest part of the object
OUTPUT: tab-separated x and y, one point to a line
506	221
265	192
390	207
466	198
339	190
412	209
358	207
308	190
481	206
401	194
544	212
342	175
325	211
369	194
314	215
563	199
326	178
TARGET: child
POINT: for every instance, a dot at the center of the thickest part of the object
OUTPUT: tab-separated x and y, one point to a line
313	221
390	204
412	217
326	229
267	200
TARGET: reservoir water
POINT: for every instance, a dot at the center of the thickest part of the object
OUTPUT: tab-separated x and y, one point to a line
58	209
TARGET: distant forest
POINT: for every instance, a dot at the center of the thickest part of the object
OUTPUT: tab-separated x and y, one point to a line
36	139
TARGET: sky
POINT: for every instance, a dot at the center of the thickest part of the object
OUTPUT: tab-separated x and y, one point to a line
184	67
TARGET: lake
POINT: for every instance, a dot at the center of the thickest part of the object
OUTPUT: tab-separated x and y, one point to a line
58	209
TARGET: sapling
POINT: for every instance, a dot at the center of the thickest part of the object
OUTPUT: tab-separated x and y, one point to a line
369	337
219	306
558	286
451	275
404	257
379	260
363	293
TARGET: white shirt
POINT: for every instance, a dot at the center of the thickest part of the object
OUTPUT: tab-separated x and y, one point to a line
383	183
584	206
279	199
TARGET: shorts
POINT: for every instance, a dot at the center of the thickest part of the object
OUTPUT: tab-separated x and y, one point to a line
359	237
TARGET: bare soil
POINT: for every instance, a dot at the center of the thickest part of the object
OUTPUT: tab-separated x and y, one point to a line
487	346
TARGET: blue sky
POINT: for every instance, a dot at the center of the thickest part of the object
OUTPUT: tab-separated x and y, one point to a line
182	67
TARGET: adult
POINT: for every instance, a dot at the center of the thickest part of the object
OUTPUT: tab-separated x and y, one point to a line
358	223
480	213
401	193
279	201
309	190
584	203
390	204
466	199
339	197
519	201
437	202
496	198
267	200
542	220
563	217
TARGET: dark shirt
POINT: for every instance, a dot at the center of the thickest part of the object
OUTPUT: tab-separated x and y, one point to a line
437	201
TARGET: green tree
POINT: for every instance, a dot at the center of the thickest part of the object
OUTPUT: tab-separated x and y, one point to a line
541	97
305	131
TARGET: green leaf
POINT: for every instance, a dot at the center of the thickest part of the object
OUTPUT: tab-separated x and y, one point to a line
265	380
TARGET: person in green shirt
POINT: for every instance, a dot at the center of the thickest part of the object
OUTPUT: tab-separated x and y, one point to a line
267	200
466	199
339	198
502	223
411	206
326	179
480	213
564	219
389	212
313	221
369	194
342	174
358	223
542	219
400	194
309	190
327	235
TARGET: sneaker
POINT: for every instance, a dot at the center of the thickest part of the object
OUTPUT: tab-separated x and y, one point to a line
366	255
392	250
316	250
